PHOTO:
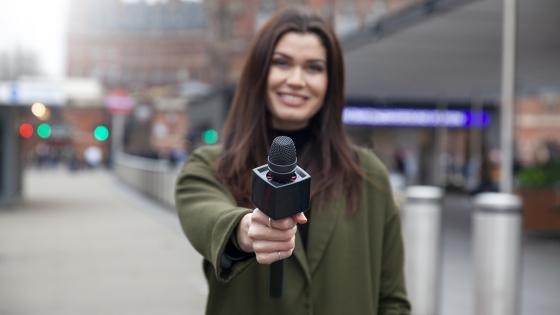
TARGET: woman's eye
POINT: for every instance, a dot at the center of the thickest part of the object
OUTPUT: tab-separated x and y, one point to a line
315	68
279	62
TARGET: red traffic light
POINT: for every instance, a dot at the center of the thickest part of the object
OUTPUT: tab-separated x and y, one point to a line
26	130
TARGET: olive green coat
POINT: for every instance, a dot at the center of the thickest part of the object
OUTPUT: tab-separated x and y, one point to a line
353	264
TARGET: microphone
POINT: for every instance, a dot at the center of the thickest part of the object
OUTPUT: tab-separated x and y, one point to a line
282	159
280	189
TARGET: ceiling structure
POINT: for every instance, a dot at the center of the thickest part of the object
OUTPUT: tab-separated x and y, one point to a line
453	53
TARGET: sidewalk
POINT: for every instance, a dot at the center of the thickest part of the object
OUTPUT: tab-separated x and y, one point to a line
82	243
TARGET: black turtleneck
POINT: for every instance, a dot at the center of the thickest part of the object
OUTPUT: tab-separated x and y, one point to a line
300	137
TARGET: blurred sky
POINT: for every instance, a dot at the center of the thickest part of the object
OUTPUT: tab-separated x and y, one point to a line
40	26
37	25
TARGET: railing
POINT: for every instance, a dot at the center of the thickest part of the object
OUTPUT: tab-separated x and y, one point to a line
153	178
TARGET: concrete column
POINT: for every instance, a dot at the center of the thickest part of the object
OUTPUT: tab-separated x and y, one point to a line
10	157
497	254
421	217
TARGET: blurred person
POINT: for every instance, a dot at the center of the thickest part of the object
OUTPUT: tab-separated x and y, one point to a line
93	156
176	156
73	160
488	172
345	255
397	176
42	152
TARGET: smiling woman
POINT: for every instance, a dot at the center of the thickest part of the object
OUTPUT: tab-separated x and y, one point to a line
297	80
344	255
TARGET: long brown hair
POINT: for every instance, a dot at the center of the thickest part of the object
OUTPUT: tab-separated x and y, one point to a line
329	156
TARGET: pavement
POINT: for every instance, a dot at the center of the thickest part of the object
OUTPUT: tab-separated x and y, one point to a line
84	243
540	274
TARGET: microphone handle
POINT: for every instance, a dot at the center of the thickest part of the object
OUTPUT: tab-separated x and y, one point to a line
276	278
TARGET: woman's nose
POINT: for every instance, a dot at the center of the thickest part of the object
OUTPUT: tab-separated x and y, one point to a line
295	77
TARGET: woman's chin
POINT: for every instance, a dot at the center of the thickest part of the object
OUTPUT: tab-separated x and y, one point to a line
289	123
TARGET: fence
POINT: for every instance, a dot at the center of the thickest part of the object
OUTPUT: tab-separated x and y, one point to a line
154	178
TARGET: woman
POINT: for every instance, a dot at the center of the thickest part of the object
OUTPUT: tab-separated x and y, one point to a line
344	256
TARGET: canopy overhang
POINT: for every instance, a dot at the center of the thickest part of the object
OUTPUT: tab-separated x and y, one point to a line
453	53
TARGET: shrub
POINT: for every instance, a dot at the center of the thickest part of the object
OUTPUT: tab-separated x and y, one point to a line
540	176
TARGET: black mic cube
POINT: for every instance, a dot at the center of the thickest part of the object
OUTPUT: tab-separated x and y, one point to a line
280	200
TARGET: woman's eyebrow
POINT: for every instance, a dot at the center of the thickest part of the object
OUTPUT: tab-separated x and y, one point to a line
282	54
319	60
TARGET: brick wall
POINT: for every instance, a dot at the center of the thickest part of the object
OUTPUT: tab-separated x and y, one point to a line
538	122
82	122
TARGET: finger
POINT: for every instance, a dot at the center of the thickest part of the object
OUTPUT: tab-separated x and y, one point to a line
260	217
300	218
259	232
281	224
243	240
269	258
274	246
284	224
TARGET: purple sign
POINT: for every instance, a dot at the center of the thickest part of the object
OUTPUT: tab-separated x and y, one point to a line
401	117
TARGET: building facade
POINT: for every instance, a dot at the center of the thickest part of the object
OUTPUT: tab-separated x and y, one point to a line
134	44
233	23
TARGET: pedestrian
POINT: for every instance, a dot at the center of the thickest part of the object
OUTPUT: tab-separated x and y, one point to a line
93	156
345	255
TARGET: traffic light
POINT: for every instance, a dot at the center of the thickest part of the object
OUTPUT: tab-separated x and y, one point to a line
210	136
101	133
26	130
40	111
44	130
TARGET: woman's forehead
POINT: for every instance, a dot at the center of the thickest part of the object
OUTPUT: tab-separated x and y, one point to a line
302	45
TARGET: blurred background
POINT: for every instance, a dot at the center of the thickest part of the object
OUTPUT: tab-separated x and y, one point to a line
101	102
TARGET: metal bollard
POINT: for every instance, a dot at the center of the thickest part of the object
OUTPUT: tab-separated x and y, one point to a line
497	254
421	217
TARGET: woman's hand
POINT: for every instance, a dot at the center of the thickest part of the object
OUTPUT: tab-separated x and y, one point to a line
271	240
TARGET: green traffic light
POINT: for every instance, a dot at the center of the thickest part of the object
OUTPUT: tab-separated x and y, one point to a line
44	130
101	133
210	136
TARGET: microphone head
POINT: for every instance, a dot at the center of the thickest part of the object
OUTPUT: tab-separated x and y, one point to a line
282	156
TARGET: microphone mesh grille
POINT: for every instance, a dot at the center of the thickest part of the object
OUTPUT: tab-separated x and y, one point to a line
282	151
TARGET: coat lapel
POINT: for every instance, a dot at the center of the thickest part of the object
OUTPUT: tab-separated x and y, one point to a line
323	223
299	253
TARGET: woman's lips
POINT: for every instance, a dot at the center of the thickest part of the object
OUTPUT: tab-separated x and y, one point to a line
291	99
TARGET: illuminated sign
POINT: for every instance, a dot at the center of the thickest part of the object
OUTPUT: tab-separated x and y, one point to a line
401	117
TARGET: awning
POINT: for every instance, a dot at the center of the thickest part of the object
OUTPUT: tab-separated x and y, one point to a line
455	54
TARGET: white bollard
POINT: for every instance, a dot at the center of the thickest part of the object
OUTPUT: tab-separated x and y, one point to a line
421	217
497	254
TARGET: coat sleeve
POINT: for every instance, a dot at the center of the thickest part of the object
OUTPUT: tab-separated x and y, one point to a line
393	299
208	212
392	291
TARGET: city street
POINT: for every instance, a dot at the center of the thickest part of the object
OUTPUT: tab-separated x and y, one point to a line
103	102
83	243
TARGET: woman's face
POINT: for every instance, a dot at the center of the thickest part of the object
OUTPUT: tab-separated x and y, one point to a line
297	80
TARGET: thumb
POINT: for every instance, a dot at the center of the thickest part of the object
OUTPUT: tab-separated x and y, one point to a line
300	218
